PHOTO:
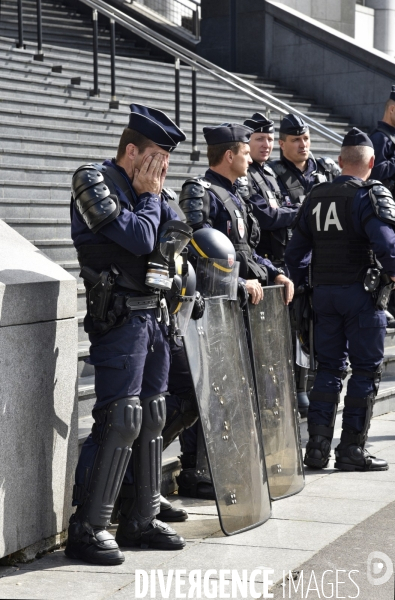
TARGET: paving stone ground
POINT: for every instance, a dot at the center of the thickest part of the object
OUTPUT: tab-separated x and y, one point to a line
325	535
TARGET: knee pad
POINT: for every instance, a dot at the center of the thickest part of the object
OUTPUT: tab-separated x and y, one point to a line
147	460
180	420
121	426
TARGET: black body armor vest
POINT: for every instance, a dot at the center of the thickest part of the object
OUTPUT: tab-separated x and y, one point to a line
272	243
100	257
266	192
244	233
340	255
296	191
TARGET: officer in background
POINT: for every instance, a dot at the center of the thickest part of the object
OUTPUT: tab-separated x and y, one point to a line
297	170
214	201
117	210
383	138
345	226
264	194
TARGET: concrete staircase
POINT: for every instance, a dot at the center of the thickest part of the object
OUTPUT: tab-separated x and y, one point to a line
49	126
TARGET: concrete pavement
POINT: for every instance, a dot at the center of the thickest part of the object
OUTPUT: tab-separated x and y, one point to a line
333	525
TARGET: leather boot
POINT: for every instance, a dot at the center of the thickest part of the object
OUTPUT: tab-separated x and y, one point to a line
154	535
192	483
169	514
318	448
92	545
352	456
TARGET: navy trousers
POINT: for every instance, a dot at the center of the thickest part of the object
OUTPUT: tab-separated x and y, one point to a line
132	360
347	324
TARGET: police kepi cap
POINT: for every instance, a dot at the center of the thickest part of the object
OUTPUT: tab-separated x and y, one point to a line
392	94
293	125
260	124
356	137
156	126
227	133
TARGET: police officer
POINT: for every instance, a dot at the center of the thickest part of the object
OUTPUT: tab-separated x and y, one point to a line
297	171
264	194
214	201
117	210
344	225
383	138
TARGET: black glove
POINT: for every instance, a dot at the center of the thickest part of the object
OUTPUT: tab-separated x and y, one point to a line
242	294
198	307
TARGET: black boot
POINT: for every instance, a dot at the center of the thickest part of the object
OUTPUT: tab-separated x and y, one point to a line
169	514
191	482
93	545
352	456
155	535
318	448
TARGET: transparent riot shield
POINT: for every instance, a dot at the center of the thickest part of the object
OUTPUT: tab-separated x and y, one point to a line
217	351
271	347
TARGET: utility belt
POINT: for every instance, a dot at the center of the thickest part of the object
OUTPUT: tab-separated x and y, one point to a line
380	285
109	306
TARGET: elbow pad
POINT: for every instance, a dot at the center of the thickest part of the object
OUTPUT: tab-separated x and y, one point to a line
195	202
92	197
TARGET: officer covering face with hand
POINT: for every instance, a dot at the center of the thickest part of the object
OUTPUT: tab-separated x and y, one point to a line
348	226
127	238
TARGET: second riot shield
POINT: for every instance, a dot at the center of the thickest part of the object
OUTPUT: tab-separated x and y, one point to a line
271	349
217	351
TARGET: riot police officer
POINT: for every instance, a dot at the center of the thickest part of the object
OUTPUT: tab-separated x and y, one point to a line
345	223
262	190
297	170
214	201
121	228
383	139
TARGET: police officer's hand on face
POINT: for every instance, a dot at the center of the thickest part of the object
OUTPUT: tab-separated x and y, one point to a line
255	290
151	174
288	287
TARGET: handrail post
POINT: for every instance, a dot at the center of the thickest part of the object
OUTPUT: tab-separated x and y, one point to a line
114	103
20	43
40	54
177	90
95	30
195	154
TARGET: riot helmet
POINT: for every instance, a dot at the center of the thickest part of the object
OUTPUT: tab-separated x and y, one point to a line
181	296
214	258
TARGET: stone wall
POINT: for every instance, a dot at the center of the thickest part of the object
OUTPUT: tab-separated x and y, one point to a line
38	403
277	42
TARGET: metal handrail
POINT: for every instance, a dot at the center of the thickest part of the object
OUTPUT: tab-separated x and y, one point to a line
205	66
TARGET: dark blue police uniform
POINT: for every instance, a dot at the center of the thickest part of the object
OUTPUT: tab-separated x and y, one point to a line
383	138
262	191
339	223
114	231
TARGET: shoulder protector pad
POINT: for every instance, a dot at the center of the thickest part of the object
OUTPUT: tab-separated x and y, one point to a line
92	197
329	165
195	201
170	194
243	187
277	167
267	169
383	203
